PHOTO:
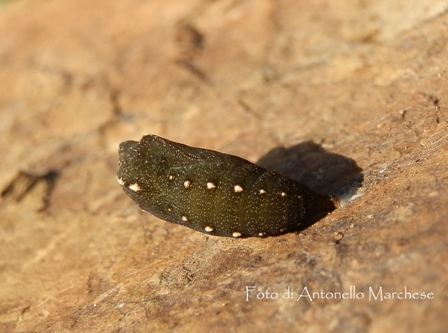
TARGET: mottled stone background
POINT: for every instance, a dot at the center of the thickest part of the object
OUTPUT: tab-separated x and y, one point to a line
285	81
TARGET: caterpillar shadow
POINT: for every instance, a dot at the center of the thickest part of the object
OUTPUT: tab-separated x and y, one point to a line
322	171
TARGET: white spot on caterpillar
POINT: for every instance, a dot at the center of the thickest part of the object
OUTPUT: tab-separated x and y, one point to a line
282	229
120	181
210	186
283	194
238	189
170	209
261	234
209	229
171	177
187	184
134	187
299	197
262	191
236	234
184	218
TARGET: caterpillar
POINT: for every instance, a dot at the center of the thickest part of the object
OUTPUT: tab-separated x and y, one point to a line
214	193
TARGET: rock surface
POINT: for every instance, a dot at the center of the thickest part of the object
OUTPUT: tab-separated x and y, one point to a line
365	82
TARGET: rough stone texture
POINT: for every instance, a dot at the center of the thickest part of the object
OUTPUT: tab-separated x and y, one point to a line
366	81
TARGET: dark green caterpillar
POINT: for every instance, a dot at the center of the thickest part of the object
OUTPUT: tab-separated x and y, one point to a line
212	192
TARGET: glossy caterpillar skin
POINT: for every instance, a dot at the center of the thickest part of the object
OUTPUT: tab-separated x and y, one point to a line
212	192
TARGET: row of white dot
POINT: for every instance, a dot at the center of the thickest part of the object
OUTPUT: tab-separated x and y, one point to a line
236	188
235	234
208	228
211	185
